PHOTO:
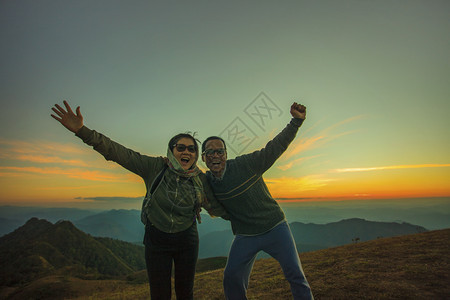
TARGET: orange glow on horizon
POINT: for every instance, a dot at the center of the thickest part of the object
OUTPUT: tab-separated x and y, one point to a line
394	182
391	168
72	173
40	172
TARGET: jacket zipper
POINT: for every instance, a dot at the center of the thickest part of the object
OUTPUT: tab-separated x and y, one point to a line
171	213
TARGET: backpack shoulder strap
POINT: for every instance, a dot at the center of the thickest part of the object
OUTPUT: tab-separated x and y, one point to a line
155	184
157	180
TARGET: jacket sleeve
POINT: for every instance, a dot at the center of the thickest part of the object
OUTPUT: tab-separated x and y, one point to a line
113	151
261	160
212	205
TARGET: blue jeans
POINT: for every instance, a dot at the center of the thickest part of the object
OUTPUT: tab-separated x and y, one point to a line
278	243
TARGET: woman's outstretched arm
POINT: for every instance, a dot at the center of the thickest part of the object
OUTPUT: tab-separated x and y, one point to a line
68	119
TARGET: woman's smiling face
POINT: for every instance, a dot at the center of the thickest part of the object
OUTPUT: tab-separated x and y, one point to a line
182	151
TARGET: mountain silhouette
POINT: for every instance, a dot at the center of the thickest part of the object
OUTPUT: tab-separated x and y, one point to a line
311	237
40	248
346	231
119	224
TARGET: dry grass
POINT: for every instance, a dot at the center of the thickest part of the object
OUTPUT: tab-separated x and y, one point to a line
408	267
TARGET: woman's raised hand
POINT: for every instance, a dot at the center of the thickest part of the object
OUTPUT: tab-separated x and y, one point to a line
68	119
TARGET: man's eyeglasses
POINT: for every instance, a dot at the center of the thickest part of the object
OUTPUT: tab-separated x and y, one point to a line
211	152
182	147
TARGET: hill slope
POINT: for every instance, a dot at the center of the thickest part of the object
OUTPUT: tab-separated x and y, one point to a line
414	266
40	248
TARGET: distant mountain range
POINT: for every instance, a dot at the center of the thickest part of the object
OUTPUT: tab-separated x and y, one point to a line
216	236
311	237
120	224
431	213
12	217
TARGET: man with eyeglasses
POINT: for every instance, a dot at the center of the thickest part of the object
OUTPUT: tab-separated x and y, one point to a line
258	222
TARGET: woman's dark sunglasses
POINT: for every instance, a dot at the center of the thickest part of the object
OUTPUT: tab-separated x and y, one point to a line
182	147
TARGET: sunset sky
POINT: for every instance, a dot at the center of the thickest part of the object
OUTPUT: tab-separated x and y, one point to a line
374	75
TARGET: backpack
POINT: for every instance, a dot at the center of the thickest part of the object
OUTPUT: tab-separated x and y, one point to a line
146	203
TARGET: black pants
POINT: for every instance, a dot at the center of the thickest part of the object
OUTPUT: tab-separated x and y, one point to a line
161	250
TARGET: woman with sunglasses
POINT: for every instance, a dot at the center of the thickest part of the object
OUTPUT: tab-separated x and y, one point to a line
176	191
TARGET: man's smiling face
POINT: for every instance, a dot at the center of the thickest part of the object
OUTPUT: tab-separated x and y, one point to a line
215	157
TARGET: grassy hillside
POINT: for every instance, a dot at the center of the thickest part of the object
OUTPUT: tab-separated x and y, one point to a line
40	248
407	267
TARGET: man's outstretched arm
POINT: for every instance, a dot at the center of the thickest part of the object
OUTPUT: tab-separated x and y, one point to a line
263	159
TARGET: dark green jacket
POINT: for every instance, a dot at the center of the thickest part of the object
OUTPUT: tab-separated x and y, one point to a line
242	190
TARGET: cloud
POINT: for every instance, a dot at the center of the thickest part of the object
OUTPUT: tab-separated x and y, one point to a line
318	140
111	199
72	173
395	167
47	159
295	162
62	188
41	152
24	158
38	147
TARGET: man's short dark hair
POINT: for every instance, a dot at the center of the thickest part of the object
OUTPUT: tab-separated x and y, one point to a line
212	138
